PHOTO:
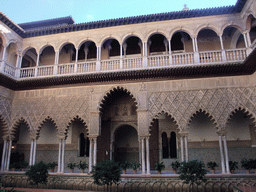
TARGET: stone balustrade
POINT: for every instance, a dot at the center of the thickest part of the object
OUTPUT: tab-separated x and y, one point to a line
130	63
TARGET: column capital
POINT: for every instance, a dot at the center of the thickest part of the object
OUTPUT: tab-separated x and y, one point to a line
246	31
222	132
183	134
144	136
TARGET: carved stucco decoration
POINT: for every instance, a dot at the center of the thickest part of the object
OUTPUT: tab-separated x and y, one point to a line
5	113
61	110
219	103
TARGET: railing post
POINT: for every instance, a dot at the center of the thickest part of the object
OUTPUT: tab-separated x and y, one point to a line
17	73
36	71
55	69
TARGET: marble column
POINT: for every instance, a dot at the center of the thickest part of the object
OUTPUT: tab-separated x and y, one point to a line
142	155
4	155
148	155
95	151
226	154
90	154
221	155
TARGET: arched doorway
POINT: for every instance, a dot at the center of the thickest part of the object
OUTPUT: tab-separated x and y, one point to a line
118	109
126	144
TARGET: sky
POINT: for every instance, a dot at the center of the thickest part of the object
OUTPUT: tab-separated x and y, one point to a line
22	11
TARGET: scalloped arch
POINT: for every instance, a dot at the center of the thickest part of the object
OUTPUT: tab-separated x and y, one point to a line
16	124
42	122
156	116
205	111
240	108
77	117
110	91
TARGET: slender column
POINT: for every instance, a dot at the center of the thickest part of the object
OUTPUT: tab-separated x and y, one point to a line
145	54
222	49
182	148
38	59
142	155
3	156
95	152
31	152
186	147
148	160
90	155
76	60
63	155
121	58
195	48
77	54
4	52
34	152
59	157
245	40
98	59
248	38
18	60
3	62
18	66
111	150
226	154
221	155
55	67
9	155
170	52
